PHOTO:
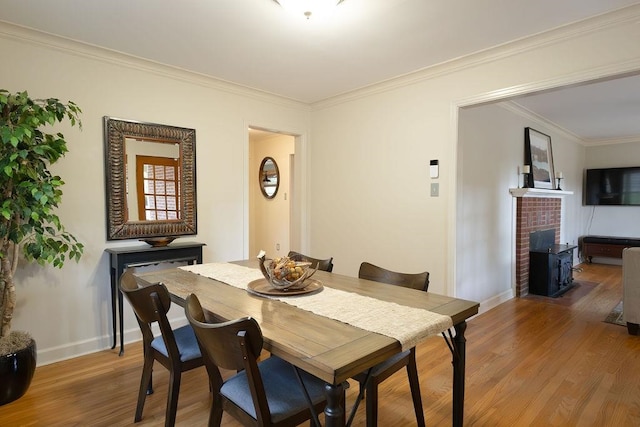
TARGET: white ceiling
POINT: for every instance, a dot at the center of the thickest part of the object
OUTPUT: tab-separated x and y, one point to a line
256	44
601	112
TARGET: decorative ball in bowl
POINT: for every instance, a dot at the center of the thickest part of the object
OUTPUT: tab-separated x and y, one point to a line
283	273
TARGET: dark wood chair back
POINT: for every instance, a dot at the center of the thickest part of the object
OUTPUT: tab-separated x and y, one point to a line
322	264
220	340
150	305
177	350
370	380
236	345
372	272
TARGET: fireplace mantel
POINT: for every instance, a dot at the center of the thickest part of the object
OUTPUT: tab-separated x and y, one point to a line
538	192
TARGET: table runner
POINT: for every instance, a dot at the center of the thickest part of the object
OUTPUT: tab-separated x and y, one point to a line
408	325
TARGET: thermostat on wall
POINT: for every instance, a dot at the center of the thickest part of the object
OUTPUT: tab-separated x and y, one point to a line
433	169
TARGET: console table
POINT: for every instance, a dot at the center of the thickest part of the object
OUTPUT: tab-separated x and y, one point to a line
123	257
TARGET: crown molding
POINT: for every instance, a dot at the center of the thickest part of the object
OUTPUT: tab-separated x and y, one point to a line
611	141
630	14
521	111
524	112
69	46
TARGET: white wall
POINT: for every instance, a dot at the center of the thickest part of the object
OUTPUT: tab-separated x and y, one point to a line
68	311
375	205
619	221
490	149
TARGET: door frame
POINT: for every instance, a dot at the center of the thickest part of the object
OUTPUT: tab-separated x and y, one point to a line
299	220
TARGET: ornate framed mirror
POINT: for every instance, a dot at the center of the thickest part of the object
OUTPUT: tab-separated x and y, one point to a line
269	177
150	180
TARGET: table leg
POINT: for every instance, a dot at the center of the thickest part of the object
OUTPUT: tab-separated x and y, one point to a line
120	310
113	305
459	361
334	415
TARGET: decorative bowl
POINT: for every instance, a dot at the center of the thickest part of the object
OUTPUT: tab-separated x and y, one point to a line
158	242
284	273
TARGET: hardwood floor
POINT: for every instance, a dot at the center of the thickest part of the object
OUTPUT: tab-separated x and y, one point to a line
532	361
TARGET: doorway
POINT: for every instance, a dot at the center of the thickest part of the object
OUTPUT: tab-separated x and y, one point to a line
270	215
492	123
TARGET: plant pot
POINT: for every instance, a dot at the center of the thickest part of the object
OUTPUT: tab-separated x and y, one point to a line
16	372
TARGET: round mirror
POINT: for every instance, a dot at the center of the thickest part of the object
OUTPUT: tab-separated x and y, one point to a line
269	177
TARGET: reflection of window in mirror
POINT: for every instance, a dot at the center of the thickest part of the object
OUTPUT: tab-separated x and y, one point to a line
153	195
158	188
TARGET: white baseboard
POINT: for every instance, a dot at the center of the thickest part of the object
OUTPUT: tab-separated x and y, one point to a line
50	355
496	301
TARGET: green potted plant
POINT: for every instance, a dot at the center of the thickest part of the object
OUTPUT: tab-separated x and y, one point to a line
29	226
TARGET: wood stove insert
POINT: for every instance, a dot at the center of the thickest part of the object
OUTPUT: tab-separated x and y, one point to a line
550	265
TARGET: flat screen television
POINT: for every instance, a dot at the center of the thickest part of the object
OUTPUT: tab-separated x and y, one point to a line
612	186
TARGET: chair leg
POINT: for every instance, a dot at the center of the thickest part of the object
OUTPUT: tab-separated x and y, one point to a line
150	386
145	385
414	383
215	415
172	399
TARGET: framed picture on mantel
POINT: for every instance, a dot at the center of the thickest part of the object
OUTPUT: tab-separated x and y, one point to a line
538	154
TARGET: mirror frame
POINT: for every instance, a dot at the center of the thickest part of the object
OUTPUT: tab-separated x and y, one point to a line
118	227
261	177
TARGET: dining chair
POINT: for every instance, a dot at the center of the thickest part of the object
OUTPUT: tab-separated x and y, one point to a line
323	264
370	379
177	350
271	392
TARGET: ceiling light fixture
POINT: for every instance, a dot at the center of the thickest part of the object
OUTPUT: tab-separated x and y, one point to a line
309	8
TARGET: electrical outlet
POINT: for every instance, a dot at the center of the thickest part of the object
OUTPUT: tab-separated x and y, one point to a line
435	189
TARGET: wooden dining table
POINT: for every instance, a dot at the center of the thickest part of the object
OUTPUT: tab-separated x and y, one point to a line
331	350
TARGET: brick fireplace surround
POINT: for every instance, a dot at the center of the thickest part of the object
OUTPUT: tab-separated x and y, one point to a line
533	214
